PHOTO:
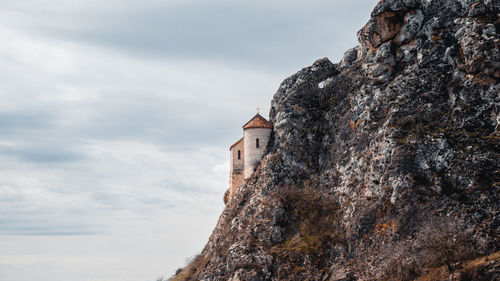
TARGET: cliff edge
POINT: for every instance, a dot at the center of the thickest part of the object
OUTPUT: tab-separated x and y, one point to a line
384	166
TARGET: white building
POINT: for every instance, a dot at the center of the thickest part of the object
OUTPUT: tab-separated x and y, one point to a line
246	153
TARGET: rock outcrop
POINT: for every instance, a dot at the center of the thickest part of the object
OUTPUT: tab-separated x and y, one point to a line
384	166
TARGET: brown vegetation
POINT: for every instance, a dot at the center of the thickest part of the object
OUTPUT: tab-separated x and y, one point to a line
193	267
439	250
311	226
466	270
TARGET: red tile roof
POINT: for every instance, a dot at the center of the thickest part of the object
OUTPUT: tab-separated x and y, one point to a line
235	143
257	122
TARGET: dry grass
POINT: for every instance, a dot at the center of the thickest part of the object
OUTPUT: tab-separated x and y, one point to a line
311	222
441	273
190	271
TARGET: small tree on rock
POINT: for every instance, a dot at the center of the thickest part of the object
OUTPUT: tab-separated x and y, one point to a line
445	241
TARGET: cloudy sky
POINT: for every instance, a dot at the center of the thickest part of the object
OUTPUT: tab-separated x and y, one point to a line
116	117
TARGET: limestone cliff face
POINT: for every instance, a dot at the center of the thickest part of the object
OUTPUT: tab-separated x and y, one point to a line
381	167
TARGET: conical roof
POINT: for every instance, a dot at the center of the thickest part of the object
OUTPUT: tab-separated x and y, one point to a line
257	122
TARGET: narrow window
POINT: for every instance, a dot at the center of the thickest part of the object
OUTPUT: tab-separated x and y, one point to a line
239	154
257	143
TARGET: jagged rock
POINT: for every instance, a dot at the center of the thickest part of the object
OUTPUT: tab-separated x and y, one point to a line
380	29
349	57
367	155
381	65
478	9
412	23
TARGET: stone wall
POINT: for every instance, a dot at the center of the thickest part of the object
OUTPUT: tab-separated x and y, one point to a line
236	167
252	153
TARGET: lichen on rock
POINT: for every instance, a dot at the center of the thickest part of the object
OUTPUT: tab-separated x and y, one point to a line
366	155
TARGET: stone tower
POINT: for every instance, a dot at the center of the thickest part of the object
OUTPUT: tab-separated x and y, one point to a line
256	133
247	152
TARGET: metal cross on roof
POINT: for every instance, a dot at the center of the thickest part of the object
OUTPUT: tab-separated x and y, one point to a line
258	110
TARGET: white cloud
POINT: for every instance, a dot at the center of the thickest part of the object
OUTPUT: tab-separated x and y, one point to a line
114	135
132	179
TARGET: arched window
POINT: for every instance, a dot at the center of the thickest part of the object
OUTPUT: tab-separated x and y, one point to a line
239	154
257	143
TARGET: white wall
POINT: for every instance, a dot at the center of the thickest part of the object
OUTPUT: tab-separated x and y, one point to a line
252	153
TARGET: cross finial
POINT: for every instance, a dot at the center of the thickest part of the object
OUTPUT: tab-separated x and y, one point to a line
258	110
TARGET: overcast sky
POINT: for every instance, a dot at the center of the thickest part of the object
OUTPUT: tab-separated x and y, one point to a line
116	117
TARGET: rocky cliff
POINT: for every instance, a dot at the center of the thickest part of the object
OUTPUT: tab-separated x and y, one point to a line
384	166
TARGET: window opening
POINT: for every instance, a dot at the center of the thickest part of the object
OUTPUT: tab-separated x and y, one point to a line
257	143
239	154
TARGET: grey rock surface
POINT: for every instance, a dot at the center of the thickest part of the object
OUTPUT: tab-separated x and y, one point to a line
367	155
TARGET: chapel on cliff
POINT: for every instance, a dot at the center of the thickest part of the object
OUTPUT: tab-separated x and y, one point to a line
247	152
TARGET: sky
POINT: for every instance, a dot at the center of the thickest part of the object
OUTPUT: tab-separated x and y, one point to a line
116	118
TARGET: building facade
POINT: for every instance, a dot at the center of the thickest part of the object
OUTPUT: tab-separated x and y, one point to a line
246	153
